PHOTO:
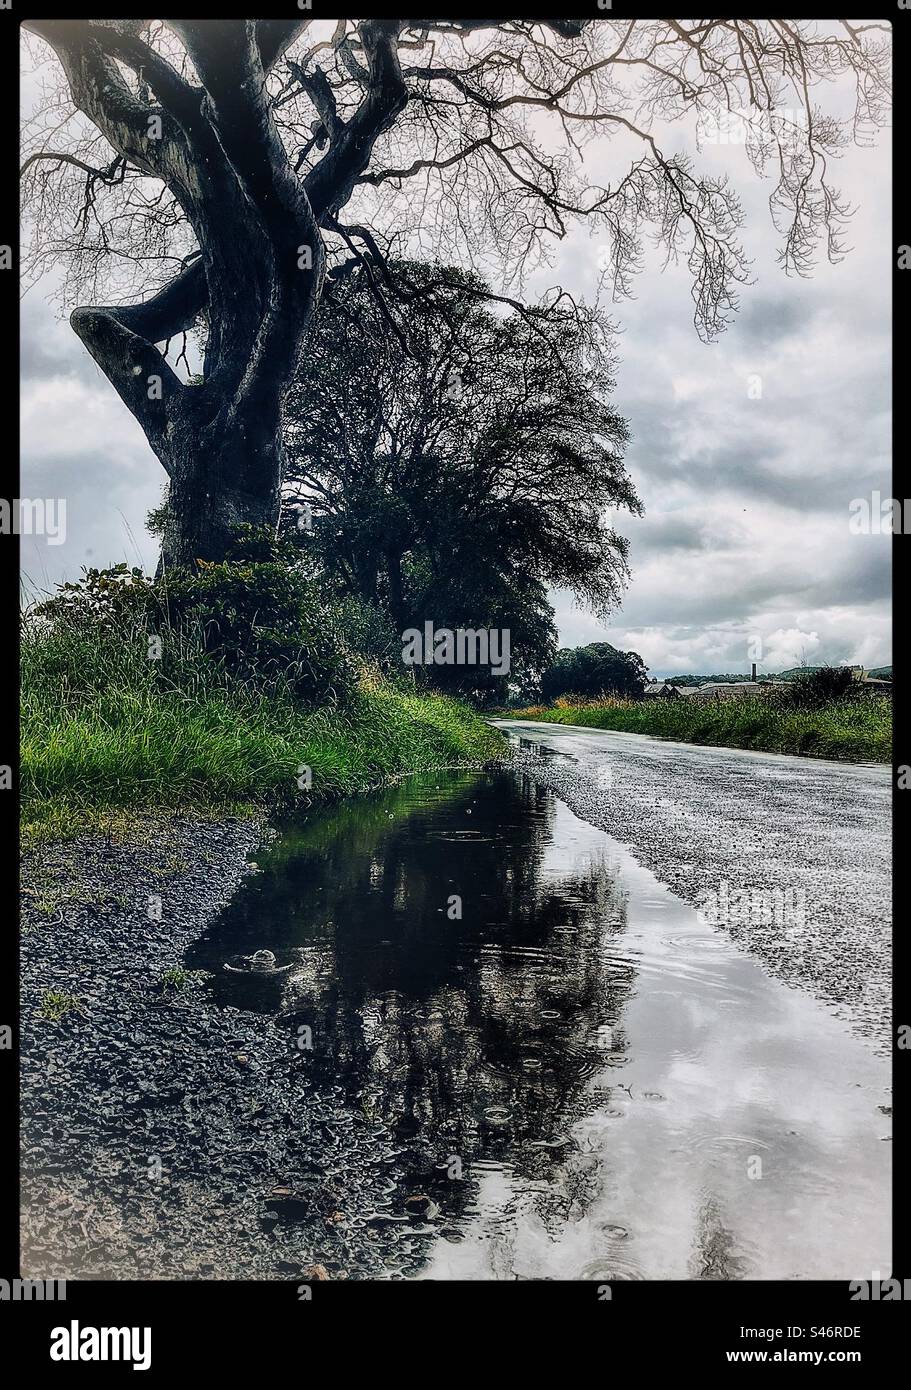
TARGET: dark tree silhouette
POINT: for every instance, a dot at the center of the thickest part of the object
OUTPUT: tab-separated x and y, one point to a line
474	456
209	166
595	669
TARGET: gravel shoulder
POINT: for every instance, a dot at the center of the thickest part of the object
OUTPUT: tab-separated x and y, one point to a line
163	1137
700	818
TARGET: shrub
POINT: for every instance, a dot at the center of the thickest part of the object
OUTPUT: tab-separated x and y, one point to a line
264	623
254	619
371	634
812	689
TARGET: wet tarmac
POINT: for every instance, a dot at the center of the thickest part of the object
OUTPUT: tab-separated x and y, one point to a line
810	835
490	1043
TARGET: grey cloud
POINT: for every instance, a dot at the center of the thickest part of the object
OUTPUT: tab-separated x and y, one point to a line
746	500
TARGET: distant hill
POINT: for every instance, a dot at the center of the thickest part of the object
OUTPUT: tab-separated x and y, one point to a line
792	672
883	673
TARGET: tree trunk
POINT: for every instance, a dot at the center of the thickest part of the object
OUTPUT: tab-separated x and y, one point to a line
221	448
205	512
220	482
365	567
261	263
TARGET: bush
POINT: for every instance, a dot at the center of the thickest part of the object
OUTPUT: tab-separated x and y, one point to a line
264	623
813	689
254	621
371	634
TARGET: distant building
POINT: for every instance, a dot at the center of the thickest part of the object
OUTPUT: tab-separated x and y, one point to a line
728	690
663	690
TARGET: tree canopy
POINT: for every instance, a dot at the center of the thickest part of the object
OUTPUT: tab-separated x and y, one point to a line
595	669
452	471
217	174
477	429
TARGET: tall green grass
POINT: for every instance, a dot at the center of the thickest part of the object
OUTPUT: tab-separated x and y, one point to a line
857	729
105	730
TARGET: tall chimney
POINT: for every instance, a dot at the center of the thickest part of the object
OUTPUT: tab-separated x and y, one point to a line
752	670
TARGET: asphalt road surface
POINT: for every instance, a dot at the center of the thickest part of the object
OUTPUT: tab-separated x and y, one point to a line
790	856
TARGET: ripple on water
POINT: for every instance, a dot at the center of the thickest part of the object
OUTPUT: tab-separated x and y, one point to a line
609	1267
727	1141
697	942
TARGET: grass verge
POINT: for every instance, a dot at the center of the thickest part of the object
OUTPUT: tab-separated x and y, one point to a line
101	738
857	730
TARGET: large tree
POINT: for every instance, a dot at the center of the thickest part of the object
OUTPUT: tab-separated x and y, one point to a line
471	454
597	669
219	172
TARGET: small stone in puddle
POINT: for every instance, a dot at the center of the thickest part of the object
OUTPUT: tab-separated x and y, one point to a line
419	1204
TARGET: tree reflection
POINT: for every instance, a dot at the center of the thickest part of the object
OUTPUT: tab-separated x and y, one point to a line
473	1036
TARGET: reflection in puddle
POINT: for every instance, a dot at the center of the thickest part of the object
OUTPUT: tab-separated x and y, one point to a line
581	1080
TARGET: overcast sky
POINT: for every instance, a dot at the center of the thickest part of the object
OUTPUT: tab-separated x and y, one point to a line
745	533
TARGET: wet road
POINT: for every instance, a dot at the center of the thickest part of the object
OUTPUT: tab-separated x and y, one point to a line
733	1130
791	857
493	1045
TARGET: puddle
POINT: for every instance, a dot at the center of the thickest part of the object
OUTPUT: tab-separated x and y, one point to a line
582	1080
